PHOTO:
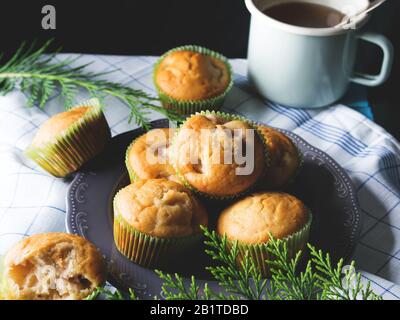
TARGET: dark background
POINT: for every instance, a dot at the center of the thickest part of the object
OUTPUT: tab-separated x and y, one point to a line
150	27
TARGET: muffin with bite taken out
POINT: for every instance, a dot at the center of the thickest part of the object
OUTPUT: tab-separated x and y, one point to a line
52	266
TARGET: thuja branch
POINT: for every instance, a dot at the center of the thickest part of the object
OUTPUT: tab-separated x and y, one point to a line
321	279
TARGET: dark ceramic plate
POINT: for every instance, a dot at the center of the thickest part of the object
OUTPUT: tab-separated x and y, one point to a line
322	184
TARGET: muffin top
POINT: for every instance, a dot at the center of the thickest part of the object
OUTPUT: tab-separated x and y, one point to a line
284	157
78	267
57	125
252	219
217	155
160	208
148	155
189	75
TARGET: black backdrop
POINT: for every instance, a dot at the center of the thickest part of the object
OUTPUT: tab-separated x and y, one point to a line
133	27
130	26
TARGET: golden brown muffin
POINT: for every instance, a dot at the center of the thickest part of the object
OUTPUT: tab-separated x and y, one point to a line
207	150
53	266
251	220
284	158
56	126
69	139
160	208
189	75
147	156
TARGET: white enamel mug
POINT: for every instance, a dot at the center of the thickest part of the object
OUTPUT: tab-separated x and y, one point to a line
309	67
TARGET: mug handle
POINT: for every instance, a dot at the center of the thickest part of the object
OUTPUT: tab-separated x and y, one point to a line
387	62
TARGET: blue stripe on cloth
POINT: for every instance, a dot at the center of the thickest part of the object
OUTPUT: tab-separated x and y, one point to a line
330	133
380	286
298	116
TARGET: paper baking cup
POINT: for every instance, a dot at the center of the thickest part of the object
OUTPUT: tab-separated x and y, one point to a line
260	254
3	283
187	107
81	141
132	175
227	117
145	250
5	294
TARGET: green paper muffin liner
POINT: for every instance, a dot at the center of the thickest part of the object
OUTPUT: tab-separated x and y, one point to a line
3	283
260	254
132	175
79	143
240	194
187	107
146	250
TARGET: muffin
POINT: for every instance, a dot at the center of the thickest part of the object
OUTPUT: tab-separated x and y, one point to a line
52	266
285	158
69	139
147	156
156	219
191	78
218	155
253	219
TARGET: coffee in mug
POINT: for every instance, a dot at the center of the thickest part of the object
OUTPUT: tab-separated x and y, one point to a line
305	14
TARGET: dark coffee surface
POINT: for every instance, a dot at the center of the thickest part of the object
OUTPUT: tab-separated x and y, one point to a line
305	14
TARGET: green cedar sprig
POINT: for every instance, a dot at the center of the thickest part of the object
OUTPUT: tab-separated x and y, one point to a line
180	290
320	279
244	281
108	294
338	283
